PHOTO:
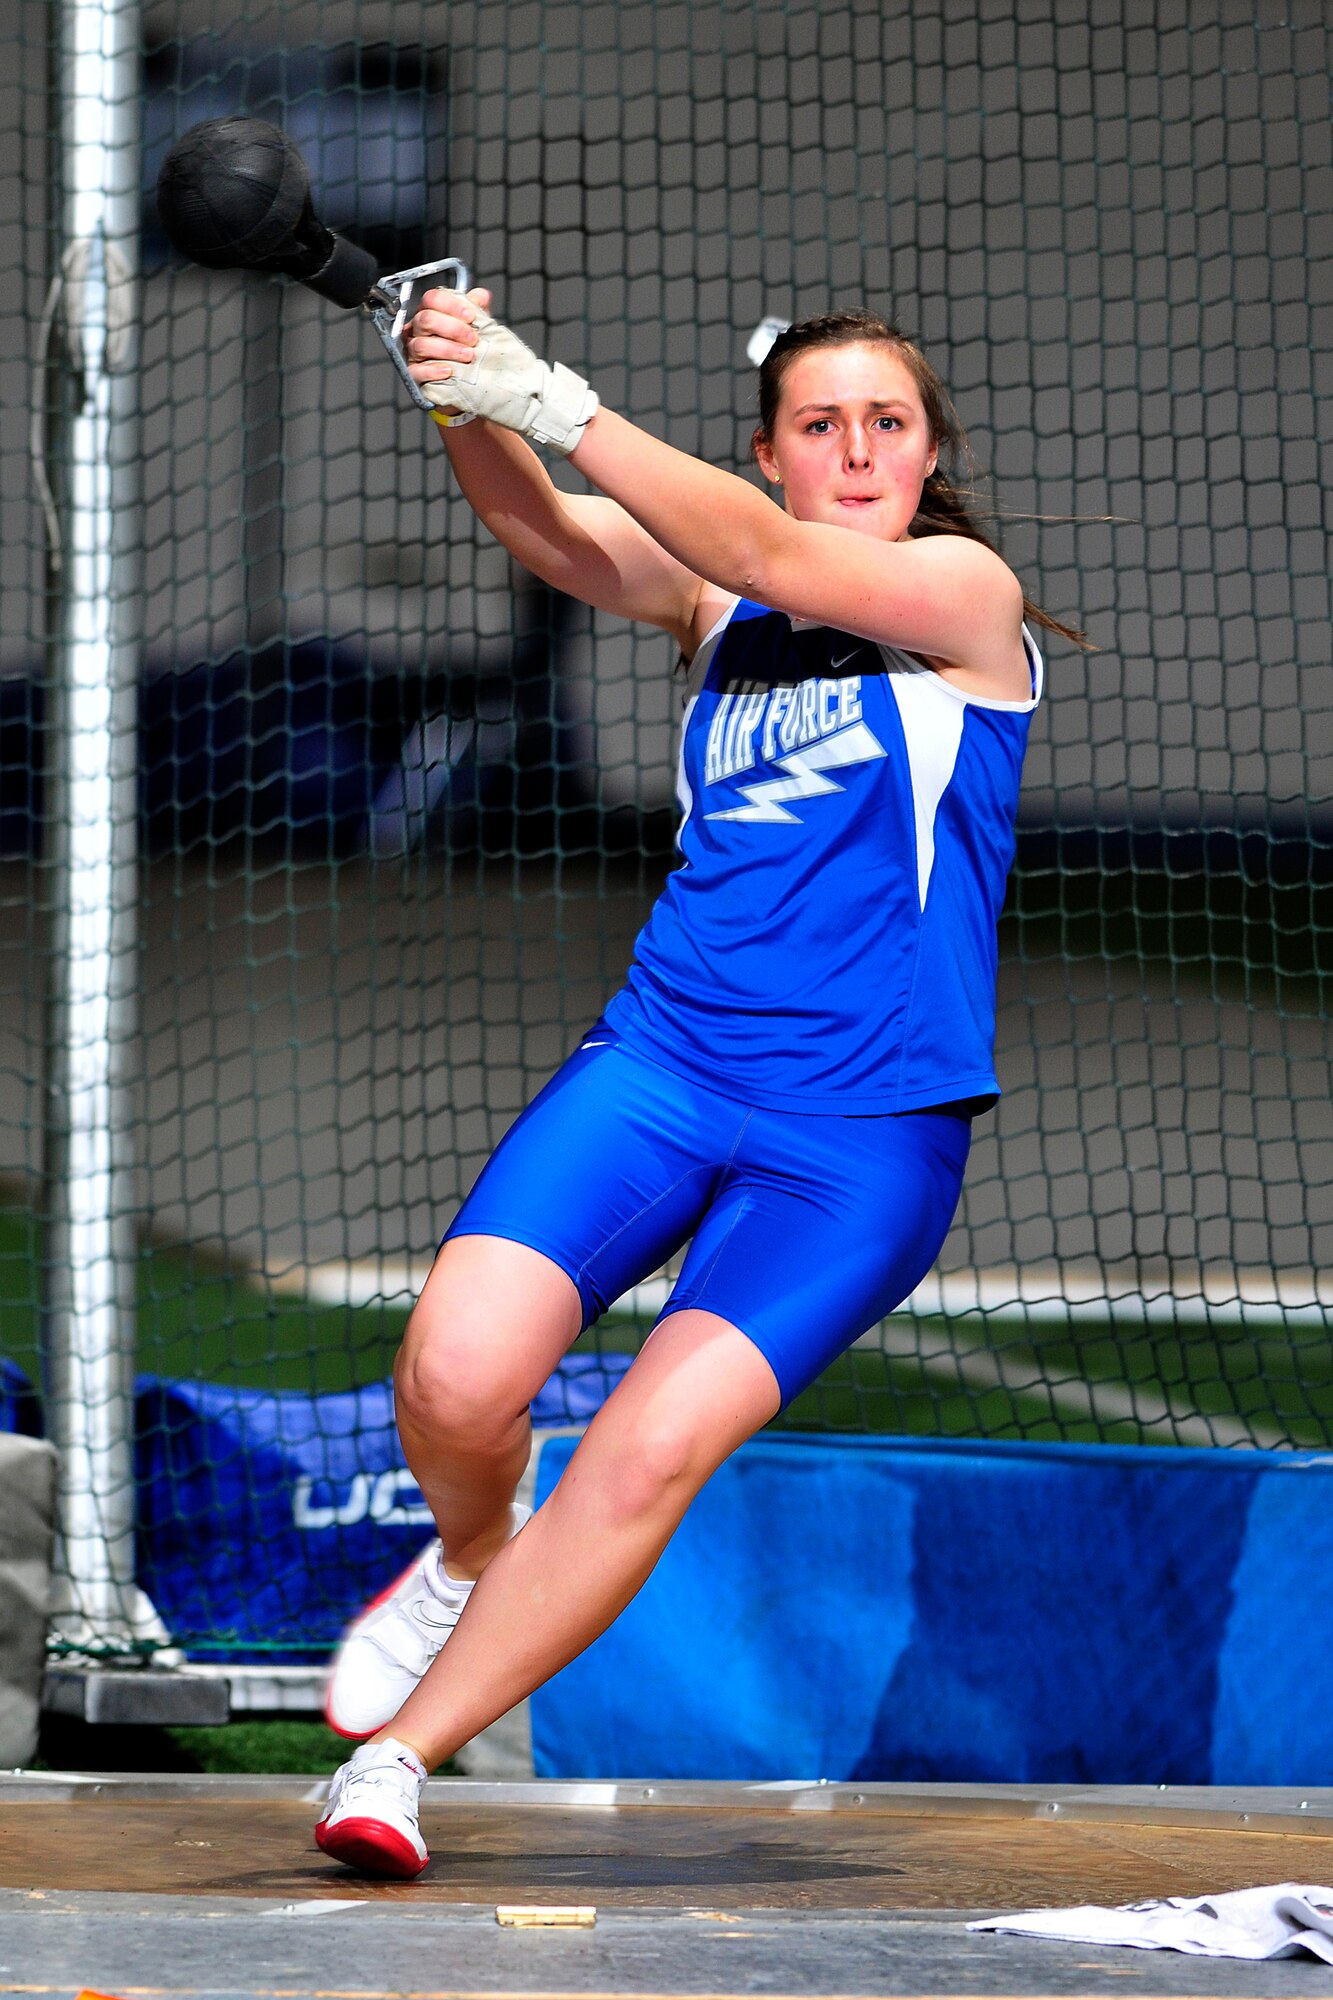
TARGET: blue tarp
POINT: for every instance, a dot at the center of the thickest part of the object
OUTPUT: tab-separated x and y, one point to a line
921	1610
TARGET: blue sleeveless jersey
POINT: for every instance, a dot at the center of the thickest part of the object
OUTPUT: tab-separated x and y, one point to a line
828	943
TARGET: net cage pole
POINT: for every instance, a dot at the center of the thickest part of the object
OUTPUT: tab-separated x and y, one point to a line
90	847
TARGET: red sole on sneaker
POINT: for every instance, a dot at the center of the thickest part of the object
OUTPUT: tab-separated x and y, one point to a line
372	1848
348	1735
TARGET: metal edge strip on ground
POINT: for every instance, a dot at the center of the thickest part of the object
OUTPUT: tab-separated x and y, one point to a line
544	1993
1257	1809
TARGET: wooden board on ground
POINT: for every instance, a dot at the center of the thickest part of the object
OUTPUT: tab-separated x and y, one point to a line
666	1857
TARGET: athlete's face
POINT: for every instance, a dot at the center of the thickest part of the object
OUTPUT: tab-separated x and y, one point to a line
850	442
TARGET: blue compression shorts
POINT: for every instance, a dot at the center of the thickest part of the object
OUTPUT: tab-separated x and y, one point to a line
805	1230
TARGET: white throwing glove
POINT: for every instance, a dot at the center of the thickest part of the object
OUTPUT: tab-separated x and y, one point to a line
506	382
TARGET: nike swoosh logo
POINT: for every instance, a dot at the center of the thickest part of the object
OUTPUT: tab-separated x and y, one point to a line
436	1618
843	661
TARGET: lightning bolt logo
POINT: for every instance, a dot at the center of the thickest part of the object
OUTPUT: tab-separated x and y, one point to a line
768	799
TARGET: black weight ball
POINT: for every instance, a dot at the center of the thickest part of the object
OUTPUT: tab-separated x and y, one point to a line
232	194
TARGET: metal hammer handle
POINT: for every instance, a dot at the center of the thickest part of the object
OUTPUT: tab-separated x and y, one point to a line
390	304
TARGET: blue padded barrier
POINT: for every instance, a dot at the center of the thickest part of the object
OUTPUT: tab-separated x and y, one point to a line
265	1520
20	1406
854	1608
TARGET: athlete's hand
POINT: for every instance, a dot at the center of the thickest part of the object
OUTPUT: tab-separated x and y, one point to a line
443	329
469	364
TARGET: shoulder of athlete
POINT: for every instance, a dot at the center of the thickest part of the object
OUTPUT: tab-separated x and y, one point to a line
977	616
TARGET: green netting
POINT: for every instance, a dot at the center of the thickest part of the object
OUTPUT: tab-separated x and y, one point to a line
401	810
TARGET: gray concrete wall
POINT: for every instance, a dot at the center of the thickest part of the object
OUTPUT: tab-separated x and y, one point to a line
328	1058
27	1532
1109	221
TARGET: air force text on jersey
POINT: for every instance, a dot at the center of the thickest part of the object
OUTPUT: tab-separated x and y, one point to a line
803	729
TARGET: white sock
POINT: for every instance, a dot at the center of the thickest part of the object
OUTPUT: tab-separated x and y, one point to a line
453	1590
404	1753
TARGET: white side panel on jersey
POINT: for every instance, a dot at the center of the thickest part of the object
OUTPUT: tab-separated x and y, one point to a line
694	681
683	791
703	659
932	719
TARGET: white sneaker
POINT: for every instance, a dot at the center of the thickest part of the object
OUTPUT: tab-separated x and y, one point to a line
386	1650
370	1819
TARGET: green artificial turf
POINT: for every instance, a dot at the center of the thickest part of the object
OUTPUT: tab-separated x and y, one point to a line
1280	1380
287	1743
197	1320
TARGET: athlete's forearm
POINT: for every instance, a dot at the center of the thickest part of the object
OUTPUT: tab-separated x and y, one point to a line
714	522
511	493
580	543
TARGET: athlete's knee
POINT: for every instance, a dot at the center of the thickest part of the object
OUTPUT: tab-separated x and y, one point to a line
454	1381
457	1403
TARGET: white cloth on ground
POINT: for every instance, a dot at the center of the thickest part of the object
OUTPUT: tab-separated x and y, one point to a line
1276	1922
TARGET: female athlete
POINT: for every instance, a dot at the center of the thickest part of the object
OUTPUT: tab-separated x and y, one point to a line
786	1079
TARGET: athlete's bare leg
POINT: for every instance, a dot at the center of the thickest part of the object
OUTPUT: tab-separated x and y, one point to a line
492	1322
698	1390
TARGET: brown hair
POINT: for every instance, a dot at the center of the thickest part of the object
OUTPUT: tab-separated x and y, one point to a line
944	508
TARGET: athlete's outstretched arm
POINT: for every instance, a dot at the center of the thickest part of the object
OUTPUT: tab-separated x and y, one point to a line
582	544
943	595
